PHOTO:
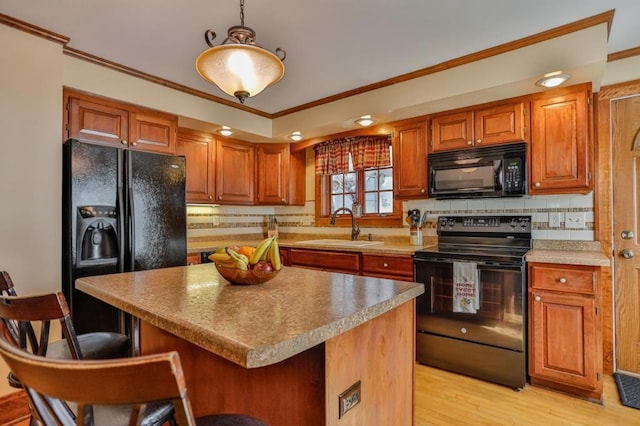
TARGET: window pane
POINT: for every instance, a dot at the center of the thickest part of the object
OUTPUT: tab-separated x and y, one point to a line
371	180
371	203
386	202
351	182
386	179
337	184
337	201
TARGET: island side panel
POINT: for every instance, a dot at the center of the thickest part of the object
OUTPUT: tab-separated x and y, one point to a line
287	393
381	354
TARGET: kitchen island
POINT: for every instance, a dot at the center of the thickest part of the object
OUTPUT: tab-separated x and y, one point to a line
283	351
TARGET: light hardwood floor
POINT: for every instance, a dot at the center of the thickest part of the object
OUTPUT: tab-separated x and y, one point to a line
449	399
444	398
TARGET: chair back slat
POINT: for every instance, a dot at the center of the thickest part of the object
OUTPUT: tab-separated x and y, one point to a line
140	380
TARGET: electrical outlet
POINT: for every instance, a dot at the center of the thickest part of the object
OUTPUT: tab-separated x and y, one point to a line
554	219
349	398
574	220
216	220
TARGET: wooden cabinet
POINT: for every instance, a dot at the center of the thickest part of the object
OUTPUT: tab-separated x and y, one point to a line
388	266
199	150
565	340
99	120
235	172
410	161
488	126
272	177
561	151
326	260
193	259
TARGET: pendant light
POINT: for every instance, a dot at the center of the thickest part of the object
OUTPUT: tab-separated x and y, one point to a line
239	66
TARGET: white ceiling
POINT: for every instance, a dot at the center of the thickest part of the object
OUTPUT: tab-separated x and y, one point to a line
332	45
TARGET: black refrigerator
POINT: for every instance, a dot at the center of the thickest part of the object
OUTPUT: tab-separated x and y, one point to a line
122	211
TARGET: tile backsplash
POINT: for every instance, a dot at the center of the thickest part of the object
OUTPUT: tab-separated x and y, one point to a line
554	217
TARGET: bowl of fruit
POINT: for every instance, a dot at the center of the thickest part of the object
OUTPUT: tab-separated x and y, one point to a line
245	265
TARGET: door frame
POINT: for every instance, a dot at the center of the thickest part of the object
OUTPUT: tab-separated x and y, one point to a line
603	206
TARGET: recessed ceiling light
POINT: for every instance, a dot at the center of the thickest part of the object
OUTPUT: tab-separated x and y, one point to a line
365	121
225	131
553	79
295	136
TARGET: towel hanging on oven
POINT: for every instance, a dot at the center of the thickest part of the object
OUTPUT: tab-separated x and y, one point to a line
465	287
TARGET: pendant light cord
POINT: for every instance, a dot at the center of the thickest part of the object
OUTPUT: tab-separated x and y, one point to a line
242	13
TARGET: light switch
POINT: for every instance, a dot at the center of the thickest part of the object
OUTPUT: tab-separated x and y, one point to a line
574	220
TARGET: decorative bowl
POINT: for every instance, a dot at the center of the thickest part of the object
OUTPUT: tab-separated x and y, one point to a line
248	277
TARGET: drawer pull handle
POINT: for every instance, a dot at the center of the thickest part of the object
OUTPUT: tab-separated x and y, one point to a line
385	264
562	280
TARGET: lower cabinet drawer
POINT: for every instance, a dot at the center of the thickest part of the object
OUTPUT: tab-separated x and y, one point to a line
566	278
326	260
397	267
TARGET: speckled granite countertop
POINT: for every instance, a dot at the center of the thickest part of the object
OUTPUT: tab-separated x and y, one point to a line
569	257
252	326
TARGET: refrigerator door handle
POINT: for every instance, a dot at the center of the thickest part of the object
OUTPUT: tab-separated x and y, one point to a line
120	205
132	231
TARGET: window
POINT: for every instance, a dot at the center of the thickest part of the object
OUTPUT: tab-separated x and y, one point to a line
370	188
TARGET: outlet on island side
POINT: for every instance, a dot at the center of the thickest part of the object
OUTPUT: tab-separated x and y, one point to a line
349	398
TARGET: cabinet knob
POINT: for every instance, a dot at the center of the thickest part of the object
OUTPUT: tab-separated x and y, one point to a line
562	280
537	184
537	298
385	264
627	253
478	140
219	197
134	144
123	141
283	200
422	190
210	197
469	142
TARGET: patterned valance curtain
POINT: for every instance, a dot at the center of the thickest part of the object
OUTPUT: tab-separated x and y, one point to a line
332	156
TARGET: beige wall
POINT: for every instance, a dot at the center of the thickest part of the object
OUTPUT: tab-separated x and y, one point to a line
30	159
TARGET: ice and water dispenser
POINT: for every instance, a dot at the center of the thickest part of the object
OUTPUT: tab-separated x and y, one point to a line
97	236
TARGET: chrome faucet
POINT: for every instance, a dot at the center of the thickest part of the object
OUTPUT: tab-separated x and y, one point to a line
355	229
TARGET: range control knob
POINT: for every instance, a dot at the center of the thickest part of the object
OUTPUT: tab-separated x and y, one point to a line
513	222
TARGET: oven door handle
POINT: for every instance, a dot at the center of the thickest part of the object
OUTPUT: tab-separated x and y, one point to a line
477	262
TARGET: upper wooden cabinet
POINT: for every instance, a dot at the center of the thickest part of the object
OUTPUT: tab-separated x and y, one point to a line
199	150
272	177
488	126
100	120
561	152
235	172
410	160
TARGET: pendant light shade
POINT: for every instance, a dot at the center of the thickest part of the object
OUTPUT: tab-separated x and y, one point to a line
239	66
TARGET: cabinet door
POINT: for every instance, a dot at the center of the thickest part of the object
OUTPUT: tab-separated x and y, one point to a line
272	177
564	344
410	161
452	131
500	124
153	131
235	172
560	153
97	122
198	149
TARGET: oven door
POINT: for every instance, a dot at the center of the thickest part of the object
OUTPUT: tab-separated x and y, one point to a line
492	313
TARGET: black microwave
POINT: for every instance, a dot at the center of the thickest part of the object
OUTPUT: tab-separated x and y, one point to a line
494	171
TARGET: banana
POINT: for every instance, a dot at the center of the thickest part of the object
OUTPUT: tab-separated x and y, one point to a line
261	249
220	257
274	255
240	260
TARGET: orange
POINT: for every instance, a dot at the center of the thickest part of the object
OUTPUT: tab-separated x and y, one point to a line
246	250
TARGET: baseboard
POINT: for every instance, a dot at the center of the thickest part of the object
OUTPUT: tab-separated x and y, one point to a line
14	408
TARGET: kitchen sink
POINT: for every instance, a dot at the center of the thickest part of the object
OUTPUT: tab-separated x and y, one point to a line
340	243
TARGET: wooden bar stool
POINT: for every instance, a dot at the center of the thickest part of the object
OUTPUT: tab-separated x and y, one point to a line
97	345
136	382
22	315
